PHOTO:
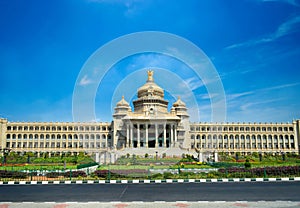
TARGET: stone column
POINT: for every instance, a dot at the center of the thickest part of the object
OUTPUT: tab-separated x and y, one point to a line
127	136
216	156
131	135
156	136
172	135
165	136
106	141
175	134
200	157
138	135
146	145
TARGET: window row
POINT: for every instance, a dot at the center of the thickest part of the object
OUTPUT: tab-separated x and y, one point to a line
57	145
58	128
243	137
243	146
241	128
58	136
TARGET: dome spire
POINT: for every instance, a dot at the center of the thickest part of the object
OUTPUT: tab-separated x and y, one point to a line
150	76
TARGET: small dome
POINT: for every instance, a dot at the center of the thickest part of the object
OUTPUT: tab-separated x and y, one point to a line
179	103
122	103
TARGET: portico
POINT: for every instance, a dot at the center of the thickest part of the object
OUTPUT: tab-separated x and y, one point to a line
150	134
150	125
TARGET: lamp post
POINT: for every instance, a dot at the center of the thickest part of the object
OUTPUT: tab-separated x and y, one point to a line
6	152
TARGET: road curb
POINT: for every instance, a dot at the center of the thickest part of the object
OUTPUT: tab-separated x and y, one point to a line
147	181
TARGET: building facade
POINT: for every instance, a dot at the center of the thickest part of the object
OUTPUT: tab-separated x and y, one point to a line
149	126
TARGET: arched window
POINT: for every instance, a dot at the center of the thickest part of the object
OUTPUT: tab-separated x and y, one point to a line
281	138
270	138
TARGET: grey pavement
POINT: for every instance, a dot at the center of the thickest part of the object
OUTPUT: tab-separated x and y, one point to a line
203	204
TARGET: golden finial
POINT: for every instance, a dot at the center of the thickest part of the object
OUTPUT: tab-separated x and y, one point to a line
150	76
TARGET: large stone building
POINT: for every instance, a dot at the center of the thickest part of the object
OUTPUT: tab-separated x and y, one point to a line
149	127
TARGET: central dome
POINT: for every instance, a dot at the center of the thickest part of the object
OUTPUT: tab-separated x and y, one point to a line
150	89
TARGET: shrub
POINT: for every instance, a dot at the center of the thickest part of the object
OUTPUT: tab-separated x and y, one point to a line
12	174
167	175
75	174
247	164
53	174
157	176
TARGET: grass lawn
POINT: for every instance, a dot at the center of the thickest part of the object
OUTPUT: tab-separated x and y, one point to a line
37	167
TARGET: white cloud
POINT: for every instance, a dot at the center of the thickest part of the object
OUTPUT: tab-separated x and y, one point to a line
291	2
85	81
284	29
132	7
193	83
280	86
238	95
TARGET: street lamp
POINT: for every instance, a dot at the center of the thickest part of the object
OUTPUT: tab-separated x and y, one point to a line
6	152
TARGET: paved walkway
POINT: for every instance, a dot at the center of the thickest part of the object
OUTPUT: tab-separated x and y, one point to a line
260	204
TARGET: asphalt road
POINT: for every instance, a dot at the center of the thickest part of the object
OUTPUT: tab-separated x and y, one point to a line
243	191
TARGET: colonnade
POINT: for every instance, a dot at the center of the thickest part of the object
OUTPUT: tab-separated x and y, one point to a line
150	135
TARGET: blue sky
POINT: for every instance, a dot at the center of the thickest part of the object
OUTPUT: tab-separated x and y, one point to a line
253	44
